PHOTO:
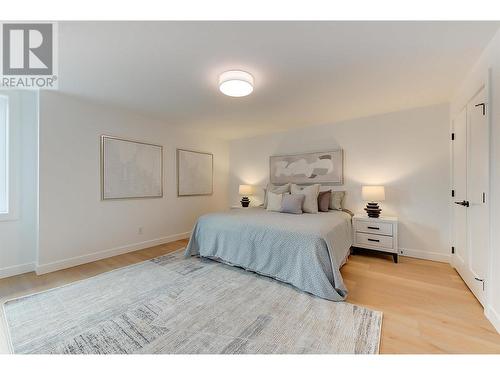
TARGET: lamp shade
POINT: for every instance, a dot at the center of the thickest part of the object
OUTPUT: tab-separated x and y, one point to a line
373	193
245	190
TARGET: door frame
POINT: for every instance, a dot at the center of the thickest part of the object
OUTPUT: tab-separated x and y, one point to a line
482	84
453	257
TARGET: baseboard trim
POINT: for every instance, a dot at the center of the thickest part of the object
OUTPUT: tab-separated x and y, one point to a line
427	255
40	269
493	317
16	270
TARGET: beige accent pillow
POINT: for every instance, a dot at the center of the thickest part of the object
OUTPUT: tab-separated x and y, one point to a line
274	201
310	204
337	200
275	189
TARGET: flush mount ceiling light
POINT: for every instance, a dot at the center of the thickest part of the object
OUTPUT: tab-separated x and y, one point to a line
236	83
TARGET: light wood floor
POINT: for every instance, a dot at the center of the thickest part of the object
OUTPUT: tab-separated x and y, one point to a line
427	307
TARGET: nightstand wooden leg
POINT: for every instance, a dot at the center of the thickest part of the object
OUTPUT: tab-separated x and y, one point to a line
395	257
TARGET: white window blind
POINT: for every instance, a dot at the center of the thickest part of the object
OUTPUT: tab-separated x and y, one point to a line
4	156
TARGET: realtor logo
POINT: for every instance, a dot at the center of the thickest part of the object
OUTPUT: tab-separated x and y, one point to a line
28	55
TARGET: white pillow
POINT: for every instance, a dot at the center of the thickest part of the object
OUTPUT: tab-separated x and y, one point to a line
310	204
275	189
274	201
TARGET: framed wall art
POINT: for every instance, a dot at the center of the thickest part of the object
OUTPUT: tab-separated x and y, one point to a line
194	173
311	168
130	169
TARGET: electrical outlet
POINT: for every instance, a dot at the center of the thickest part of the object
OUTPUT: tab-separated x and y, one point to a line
139	230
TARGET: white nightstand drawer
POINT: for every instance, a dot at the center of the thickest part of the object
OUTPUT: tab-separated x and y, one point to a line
374	240
376	228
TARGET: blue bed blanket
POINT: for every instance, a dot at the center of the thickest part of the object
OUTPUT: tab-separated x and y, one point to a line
305	250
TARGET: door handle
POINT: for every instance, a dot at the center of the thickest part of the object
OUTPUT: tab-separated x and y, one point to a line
463	203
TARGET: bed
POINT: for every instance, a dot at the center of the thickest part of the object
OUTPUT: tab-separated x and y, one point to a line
305	251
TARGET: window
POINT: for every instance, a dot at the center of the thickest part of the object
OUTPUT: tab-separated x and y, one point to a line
4	156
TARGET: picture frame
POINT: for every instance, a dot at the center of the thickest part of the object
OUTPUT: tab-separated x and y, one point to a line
194	173
325	167
130	169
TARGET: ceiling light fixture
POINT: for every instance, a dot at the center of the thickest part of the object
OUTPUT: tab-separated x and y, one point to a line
236	83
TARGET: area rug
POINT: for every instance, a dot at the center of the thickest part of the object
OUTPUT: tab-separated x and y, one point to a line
174	304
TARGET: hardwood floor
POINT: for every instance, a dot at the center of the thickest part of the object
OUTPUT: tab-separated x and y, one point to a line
427	307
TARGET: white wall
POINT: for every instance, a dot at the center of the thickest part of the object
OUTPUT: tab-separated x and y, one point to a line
18	234
406	151
489	65
75	225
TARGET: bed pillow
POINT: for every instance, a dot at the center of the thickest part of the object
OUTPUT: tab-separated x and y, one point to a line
310	204
275	189
274	201
292	203
337	200
324	198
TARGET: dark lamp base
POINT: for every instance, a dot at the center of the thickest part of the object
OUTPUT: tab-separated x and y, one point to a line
373	210
245	202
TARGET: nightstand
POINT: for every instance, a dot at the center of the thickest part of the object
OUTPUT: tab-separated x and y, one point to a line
380	234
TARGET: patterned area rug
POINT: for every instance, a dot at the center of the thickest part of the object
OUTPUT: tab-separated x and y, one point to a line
176	305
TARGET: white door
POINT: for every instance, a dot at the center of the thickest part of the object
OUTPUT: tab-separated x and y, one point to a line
470	152
477	193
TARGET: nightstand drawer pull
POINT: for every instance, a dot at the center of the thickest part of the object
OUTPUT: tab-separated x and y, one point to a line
371	227
374	241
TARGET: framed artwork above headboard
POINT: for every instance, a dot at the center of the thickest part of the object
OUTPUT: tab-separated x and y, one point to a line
311	168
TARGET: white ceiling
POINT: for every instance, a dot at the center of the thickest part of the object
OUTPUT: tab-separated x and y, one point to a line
306	73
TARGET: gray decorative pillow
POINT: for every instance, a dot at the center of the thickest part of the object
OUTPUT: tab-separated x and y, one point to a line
275	189
337	200
311	197
324	200
292	203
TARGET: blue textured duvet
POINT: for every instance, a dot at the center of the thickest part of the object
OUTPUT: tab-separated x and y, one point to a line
303	250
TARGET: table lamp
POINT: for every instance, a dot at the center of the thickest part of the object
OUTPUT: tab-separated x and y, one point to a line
245	190
373	194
